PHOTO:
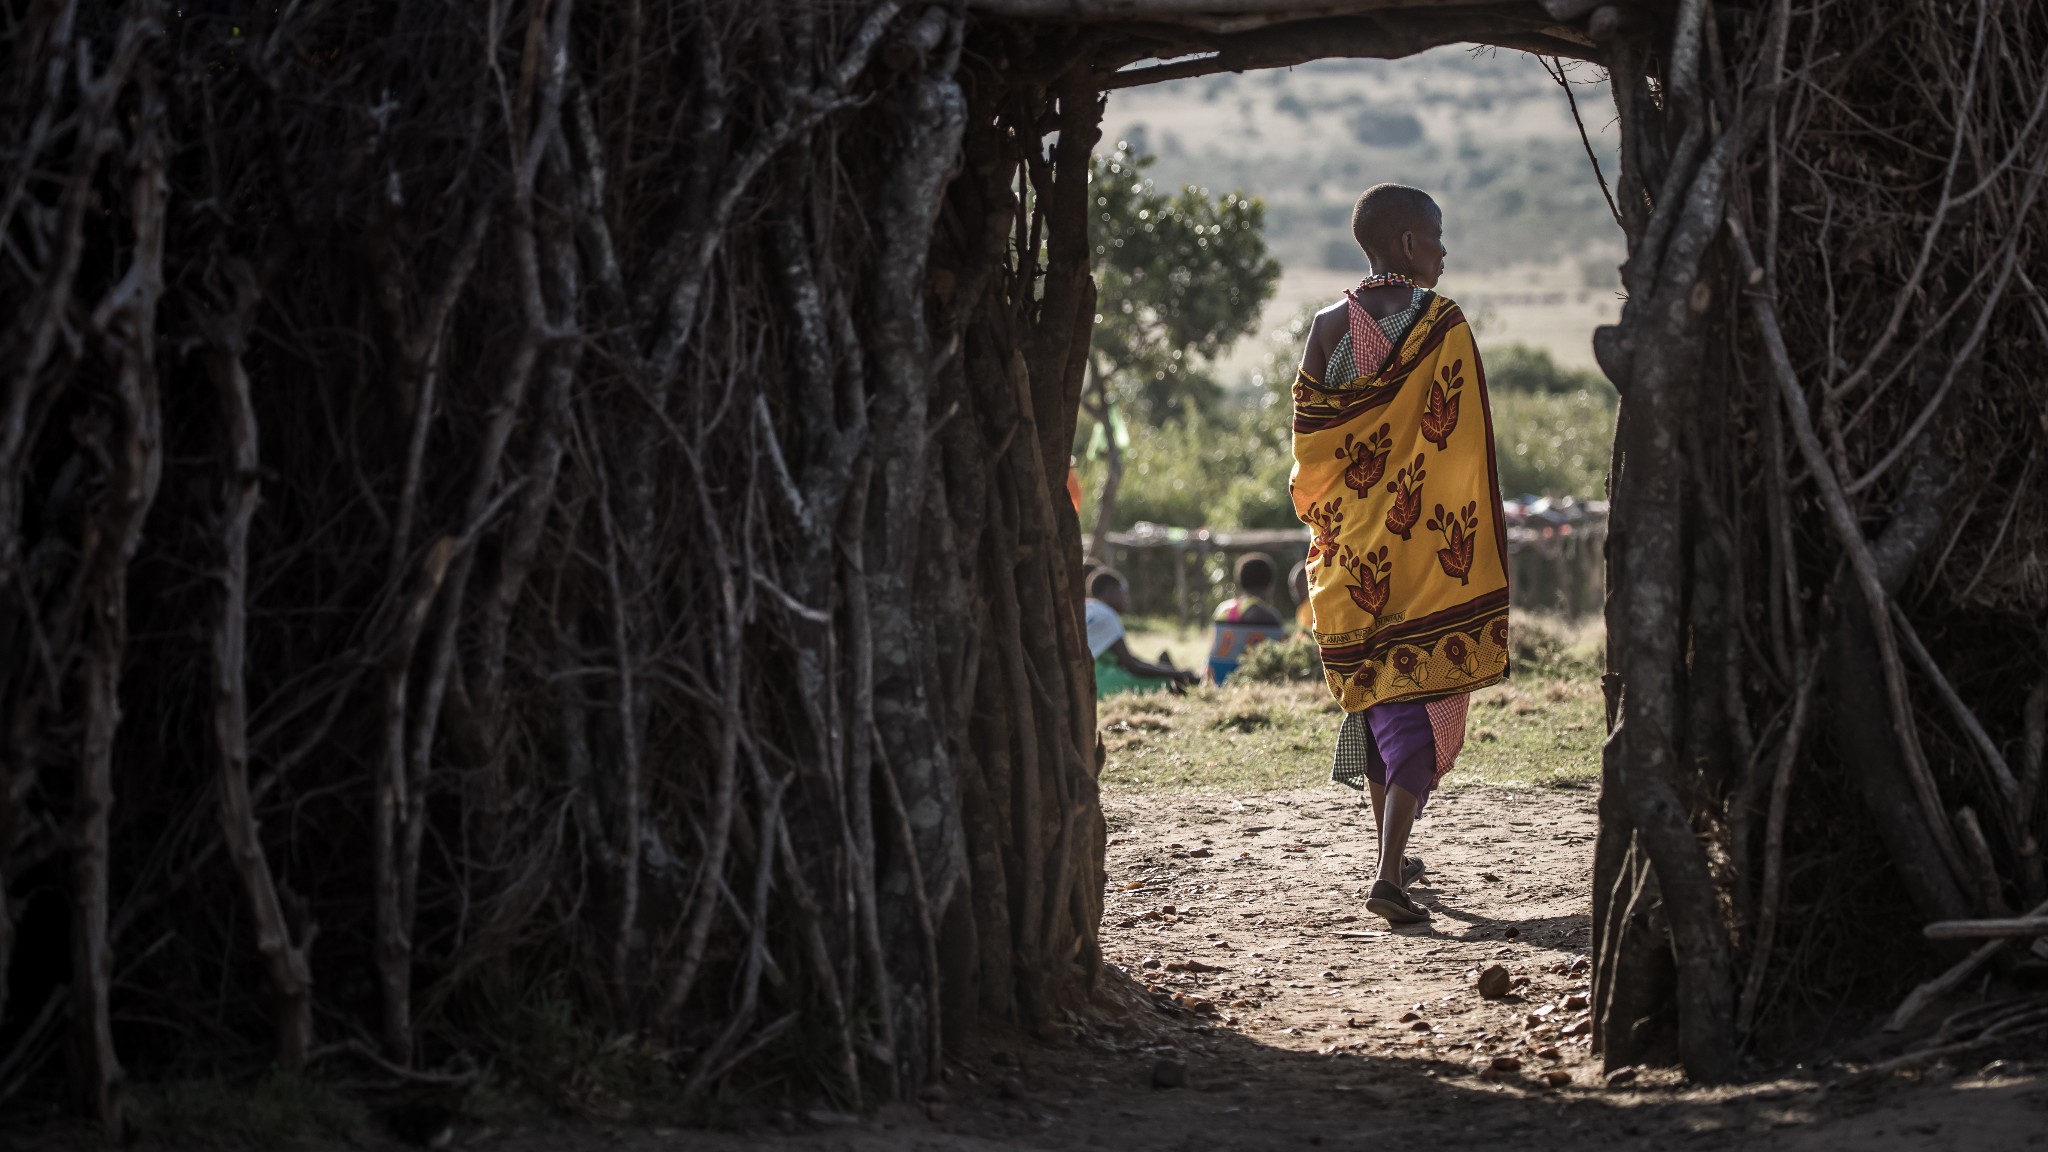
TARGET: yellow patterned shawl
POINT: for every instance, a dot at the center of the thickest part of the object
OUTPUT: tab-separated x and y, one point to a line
1394	474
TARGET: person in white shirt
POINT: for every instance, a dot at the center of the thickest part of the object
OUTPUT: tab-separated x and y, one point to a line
1117	669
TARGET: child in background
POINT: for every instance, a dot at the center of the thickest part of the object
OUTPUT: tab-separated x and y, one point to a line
1116	668
1245	620
1304	612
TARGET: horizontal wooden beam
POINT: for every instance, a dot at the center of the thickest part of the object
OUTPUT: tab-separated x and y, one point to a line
1118	11
1386	36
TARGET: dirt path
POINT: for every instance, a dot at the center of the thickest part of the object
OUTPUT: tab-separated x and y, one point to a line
1291	1019
1270	890
1264	1011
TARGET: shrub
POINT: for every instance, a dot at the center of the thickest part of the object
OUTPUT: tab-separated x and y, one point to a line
1520	368
1227	470
1280	662
1385	128
1546	645
1553	444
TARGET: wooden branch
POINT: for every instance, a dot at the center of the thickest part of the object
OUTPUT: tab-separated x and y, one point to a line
124	325
20	1062
2018	927
1585	142
1908	292
1773	883
927	928
625	822
1959	360
742	1015
549	290
537	110
1918	1000
1645	613
682	265
1386	35
1990	889
1166	11
403	1072
2008	786
285	963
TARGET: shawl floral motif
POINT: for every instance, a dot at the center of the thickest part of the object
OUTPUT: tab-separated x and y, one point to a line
1394	474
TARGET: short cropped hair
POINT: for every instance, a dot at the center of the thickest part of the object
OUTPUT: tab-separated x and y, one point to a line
1104	577
1255	572
1384	211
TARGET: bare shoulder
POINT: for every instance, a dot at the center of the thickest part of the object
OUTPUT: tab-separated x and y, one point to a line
1333	318
1323	334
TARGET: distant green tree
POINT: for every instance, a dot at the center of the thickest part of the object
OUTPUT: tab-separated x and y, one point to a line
1179	278
1553	426
1520	368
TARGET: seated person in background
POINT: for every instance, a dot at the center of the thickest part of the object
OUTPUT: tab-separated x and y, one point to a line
1243	621
1304	615
1116	669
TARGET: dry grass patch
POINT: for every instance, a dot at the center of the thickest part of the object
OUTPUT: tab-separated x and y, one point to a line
1541	730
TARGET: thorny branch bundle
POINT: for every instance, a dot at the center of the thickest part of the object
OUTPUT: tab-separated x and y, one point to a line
1834	588
475	481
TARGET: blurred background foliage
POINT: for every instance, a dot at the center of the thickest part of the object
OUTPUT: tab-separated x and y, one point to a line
1197	378
1485	131
1205	434
1179	277
1224	463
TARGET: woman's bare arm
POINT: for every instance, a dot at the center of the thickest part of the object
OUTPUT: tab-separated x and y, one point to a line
1129	662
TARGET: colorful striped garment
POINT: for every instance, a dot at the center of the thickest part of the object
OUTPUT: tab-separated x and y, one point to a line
1394	474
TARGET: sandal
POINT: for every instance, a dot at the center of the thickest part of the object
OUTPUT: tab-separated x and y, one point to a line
1393	905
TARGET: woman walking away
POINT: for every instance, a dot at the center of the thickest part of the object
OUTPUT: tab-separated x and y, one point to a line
1394	475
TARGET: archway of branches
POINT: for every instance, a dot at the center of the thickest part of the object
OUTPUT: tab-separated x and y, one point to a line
564	505
1734	661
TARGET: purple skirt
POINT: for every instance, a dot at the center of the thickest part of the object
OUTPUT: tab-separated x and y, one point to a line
1390	745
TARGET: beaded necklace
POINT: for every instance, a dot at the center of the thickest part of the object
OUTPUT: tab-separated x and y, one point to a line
1383	279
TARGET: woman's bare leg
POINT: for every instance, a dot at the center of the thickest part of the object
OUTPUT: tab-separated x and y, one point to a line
1395	815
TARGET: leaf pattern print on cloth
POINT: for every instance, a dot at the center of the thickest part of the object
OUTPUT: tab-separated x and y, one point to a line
1400	612
1440	417
1461	533
1368	459
1374	575
1407	489
1324	520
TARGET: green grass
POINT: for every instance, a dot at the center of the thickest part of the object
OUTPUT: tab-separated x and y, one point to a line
1148	636
1539	730
1542	729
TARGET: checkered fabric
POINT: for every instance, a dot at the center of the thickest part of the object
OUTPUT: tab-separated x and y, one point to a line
1354	740
1365	345
1447	724
1354	737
